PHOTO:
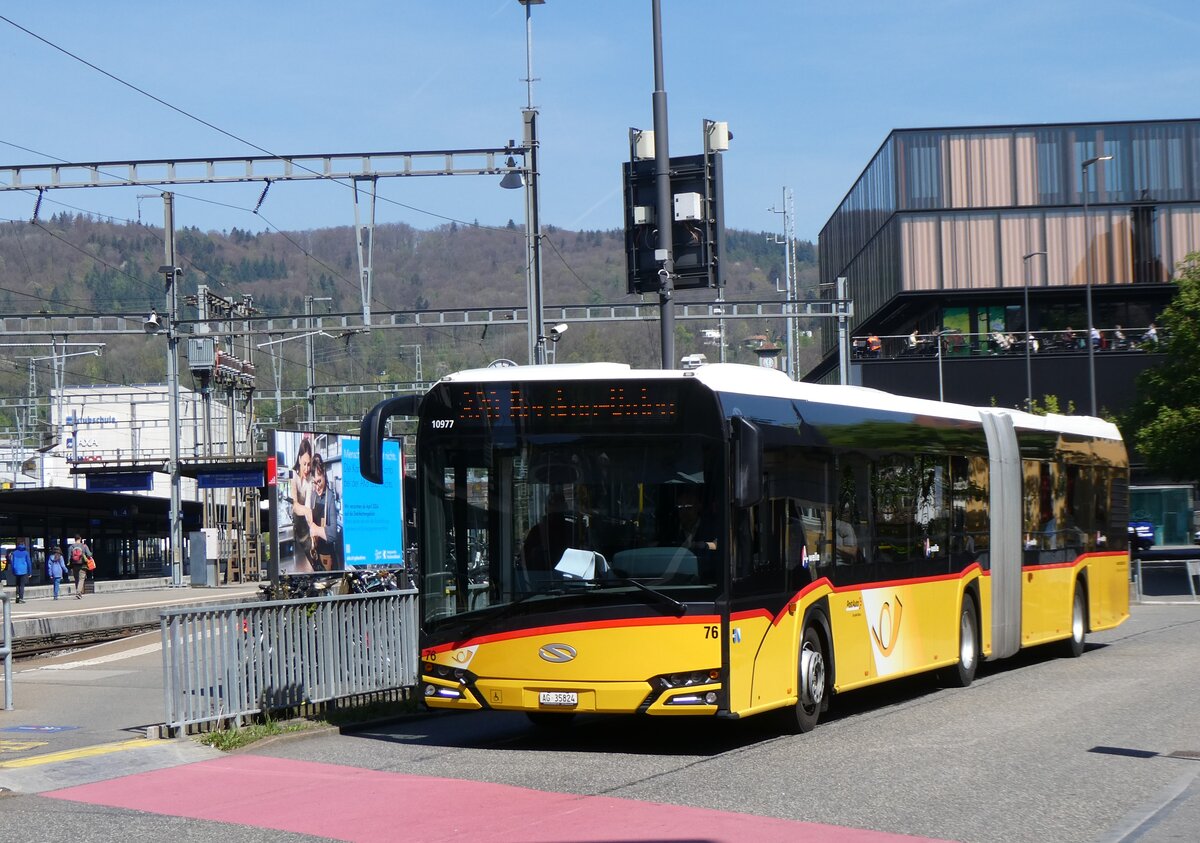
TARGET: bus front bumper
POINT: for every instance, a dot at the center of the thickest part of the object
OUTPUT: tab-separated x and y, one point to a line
569	697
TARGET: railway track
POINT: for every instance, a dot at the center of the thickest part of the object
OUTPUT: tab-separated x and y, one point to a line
40	645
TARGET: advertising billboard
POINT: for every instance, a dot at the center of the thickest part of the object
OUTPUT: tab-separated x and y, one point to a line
324	515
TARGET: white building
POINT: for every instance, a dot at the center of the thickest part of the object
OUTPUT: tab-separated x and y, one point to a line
124	428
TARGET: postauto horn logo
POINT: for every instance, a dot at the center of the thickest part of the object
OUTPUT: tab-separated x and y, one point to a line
557	653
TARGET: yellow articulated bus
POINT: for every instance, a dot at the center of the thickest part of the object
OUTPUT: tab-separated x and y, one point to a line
725	542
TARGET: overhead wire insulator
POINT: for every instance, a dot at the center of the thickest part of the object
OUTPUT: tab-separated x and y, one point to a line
262	195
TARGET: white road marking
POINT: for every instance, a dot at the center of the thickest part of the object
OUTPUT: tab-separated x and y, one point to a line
81	675
111	657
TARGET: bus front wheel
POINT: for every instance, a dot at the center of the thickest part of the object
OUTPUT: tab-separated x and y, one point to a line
1073	646
963	673
814	684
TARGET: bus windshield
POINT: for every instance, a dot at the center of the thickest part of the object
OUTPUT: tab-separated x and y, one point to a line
504	523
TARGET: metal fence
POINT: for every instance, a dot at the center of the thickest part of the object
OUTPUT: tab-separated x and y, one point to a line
1191	568
952	343
6	646
229	662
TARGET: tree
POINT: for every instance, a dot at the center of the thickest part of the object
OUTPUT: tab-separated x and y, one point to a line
1164	423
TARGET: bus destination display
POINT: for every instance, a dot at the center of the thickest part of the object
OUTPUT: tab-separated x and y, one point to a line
610	403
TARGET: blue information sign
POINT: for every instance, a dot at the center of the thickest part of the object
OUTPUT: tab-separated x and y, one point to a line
240	479
126	481
373	528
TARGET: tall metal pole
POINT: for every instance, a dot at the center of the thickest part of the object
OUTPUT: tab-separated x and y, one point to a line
206	387
789	286
1087	269
533	211
843	332
277	372
533	238
310	394
721	322
171	273
666	213
1029	337
793	323
941	378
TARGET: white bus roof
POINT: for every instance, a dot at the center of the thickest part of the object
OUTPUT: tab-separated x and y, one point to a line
738	378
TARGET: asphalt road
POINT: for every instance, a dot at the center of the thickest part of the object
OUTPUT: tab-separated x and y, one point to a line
1038	749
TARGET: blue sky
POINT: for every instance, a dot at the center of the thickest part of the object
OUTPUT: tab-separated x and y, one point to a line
810	91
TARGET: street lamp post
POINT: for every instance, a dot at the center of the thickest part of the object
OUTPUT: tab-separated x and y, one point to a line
1087	269
1028	336
533	223
662	176
171	273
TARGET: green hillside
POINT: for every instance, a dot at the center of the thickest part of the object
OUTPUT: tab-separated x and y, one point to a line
75	264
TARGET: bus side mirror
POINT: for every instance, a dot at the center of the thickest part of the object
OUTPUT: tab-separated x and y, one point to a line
747	462
373	430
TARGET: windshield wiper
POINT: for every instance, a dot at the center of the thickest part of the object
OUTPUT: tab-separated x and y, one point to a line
503	611
666	599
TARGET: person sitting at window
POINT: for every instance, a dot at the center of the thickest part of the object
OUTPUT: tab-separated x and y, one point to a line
546	540
693	532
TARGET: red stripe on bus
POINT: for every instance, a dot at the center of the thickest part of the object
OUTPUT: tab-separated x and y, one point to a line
823	582
1079	560
579	626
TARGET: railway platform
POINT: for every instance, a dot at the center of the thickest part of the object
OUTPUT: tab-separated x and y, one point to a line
106	609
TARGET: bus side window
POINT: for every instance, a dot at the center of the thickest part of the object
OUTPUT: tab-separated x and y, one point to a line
851	533
747	541
798	487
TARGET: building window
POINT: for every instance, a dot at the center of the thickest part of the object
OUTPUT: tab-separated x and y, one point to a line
1147	269
923	174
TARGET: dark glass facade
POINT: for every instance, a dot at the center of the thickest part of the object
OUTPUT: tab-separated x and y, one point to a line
947	218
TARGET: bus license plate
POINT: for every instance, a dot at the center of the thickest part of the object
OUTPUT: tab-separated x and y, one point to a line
567	698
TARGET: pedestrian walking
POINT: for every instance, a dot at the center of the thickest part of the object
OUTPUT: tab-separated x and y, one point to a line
21	566
56	569
80	561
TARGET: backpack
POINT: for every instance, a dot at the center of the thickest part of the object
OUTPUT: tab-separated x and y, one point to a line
76	555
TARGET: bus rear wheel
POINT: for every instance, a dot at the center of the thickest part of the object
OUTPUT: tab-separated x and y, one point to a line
1073	646
813	679
963	673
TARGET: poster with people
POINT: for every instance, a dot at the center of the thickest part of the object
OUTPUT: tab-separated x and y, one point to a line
325	516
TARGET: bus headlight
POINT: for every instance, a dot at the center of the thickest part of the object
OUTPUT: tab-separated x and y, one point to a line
670	681
707	698
442	692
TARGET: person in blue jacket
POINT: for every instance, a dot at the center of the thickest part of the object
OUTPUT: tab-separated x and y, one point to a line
21	566
56	569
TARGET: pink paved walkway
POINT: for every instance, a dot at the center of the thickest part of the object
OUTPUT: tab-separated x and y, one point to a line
347	803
